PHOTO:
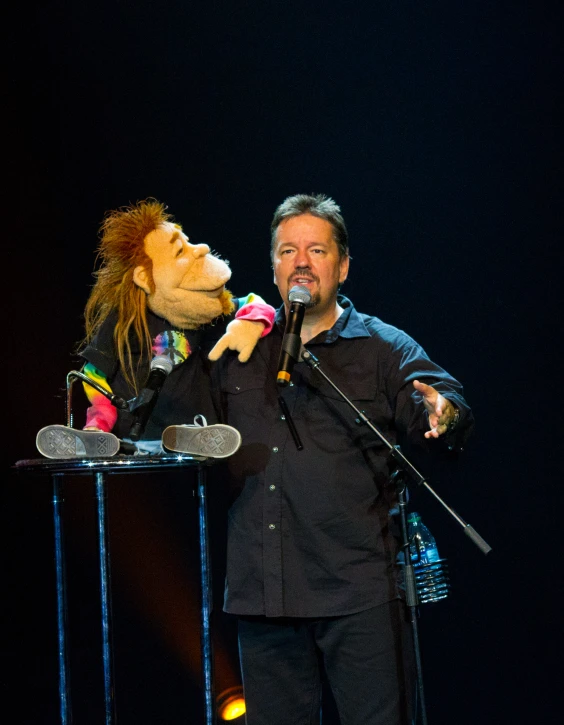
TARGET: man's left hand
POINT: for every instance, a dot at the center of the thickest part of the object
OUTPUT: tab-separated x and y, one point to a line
441	411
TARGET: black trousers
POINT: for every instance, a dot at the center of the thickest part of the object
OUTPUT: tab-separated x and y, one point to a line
366	658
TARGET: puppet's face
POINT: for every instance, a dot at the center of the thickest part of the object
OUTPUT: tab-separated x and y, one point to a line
187	284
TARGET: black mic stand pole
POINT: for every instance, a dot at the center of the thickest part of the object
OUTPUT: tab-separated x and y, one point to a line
403	468
411	596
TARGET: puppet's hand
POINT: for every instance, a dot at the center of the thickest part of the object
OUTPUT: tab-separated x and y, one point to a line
240	335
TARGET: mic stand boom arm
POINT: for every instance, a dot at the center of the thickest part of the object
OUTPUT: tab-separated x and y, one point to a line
395	453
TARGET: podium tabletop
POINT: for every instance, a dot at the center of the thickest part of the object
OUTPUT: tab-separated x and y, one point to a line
113	464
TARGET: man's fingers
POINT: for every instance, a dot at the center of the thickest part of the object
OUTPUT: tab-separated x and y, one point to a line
427	391
436	431
438	409
421	386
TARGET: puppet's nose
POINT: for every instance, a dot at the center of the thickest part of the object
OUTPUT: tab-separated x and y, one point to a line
200	250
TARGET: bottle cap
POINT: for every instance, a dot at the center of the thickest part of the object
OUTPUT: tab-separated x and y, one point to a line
413	517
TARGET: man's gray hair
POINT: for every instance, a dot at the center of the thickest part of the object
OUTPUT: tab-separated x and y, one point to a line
318	205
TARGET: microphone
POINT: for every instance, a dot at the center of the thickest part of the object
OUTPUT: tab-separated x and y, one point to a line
299	298
142	407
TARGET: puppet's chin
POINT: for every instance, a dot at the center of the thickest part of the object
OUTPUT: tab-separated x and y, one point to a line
192	309
227	304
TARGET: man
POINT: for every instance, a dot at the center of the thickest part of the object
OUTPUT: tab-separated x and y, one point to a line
312	569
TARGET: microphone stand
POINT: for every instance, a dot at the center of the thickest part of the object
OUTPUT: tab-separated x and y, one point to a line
120	403
141	406
114	399
404	469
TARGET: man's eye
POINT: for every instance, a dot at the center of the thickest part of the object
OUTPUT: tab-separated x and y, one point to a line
179	251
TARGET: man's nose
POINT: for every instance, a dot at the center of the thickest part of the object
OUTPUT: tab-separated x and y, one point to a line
200	250
301	264
301	259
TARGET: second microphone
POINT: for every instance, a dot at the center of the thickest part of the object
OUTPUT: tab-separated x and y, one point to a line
142	406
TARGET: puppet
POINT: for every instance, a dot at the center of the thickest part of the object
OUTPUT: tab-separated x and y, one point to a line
157	315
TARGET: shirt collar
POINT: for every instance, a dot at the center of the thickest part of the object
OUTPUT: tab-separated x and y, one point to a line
349	324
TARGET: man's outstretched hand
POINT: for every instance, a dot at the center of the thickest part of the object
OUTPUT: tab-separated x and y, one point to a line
441	411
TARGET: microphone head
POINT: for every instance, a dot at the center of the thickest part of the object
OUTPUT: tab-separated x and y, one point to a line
162	363
299	294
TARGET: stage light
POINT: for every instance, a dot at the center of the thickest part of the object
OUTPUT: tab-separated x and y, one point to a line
231	704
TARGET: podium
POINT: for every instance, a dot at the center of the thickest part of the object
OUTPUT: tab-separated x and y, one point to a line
100	469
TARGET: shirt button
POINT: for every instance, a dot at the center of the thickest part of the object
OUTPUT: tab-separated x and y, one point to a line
282	417
271	526
291	385
275	449
272	487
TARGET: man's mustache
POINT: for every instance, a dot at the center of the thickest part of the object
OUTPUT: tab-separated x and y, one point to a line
303	273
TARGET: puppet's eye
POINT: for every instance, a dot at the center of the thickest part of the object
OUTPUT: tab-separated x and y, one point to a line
179	251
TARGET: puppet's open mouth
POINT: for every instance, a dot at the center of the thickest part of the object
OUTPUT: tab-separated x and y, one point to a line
214	291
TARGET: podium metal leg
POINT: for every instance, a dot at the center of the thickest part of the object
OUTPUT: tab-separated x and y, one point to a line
105	599
100	468
206	642
62	613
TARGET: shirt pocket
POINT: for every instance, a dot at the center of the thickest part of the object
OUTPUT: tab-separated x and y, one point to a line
246	397
366	398
243	380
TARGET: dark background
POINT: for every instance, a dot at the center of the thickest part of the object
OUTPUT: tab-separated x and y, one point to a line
437	127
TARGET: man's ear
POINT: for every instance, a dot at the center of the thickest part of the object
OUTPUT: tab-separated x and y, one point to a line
344	269
141	278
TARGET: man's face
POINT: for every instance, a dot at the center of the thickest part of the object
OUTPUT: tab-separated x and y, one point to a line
188	281
306	254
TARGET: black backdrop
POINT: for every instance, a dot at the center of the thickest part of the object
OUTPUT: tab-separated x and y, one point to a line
437	128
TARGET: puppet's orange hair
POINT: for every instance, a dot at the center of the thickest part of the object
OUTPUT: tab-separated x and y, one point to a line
120	251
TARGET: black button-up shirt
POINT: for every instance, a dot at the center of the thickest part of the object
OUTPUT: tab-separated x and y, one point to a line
309	530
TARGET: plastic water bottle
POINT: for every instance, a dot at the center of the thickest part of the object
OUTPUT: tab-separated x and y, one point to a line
423	546
431	572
